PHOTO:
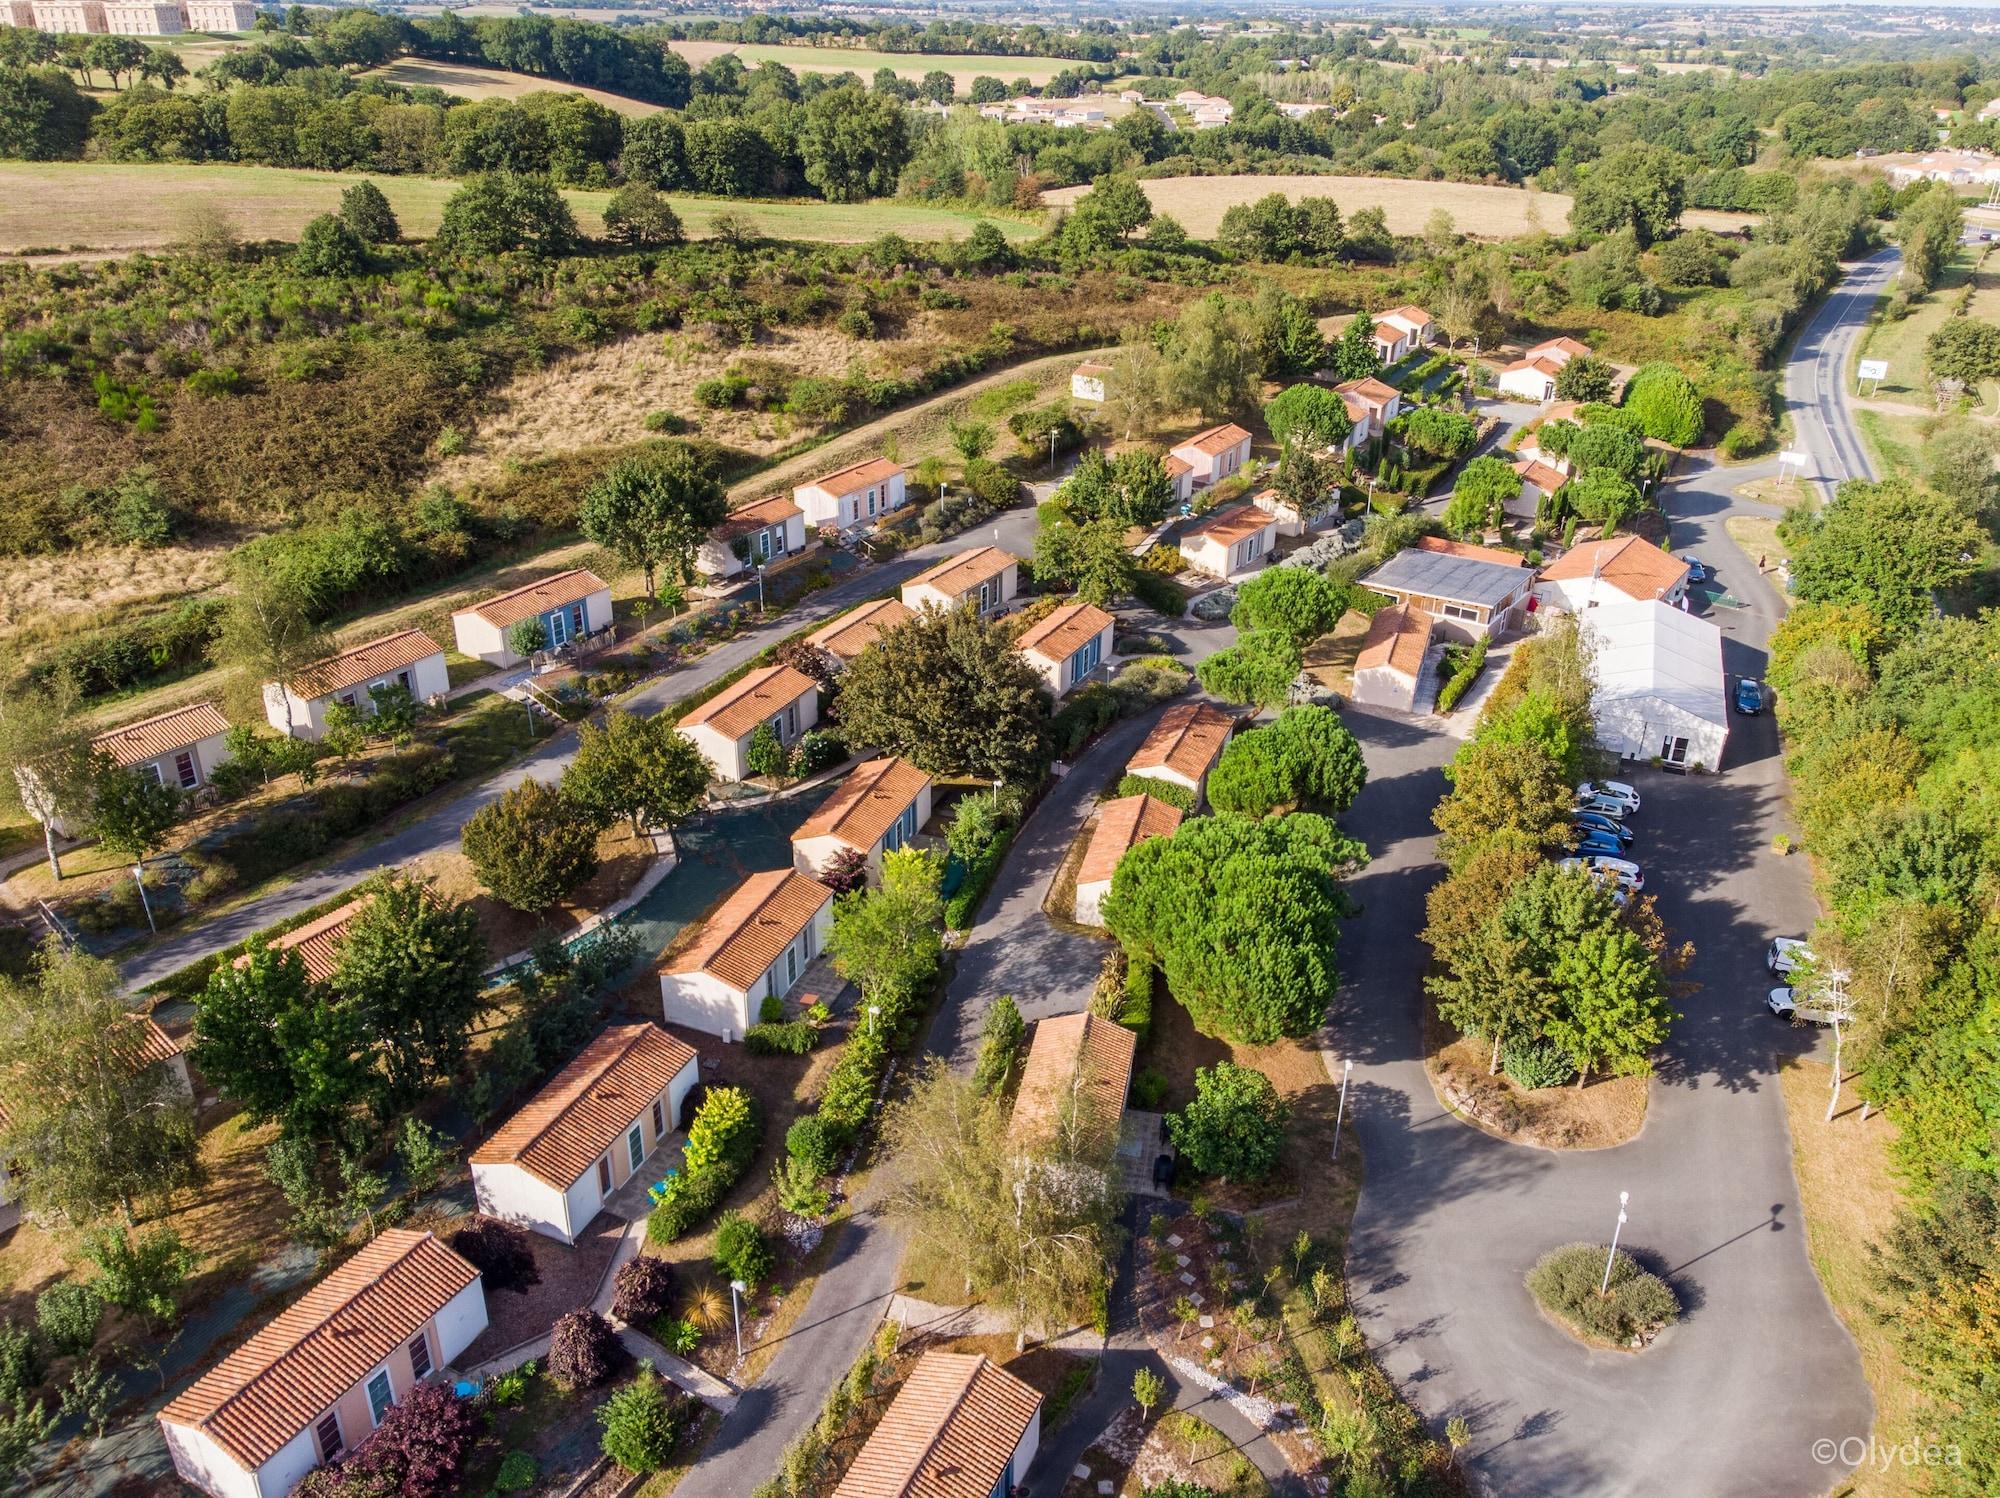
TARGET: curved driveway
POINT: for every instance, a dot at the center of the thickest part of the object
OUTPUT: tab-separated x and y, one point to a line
1731	1400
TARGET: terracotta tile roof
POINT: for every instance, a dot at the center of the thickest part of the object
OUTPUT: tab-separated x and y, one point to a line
762	515
1083	1052
1632	566
292	1371
1568	348
1540	365
762	695
853	633
1186	740
1358	410
165	733
1415	314
155	1044
867	804
531	600
1444	547
1122	825
1229	524
1216	439
1541	475
948	1433
964	572
1369	390
844	481
1383	333
1397	638
370	662
560	1132
1174	466
1065	631
1092	367
318	941
743	938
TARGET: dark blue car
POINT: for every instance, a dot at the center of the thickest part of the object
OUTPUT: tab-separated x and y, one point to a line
1600	843
1749	696
1588	822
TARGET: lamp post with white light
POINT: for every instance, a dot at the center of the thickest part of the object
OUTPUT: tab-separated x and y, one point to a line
873	1010
1340	1113
1623	1198
737	1289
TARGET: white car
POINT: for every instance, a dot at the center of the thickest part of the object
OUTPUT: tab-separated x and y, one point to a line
1623	870
1786	953
1784	1002
1609	806
1608	790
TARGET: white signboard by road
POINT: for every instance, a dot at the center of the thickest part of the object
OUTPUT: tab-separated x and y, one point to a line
1874	369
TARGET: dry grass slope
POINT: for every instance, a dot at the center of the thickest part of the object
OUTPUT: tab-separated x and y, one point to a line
477	83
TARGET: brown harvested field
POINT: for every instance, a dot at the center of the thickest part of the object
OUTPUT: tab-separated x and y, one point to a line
494	83
1491	212
963	66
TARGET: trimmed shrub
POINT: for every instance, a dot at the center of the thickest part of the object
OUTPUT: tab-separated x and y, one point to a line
583	1350
1564	1283
849	1099
810	1142
740	1250
720	1143
641	1422
1164	790
979	872
1535	1064
1235	1127
645	1289
793	1039
501	1252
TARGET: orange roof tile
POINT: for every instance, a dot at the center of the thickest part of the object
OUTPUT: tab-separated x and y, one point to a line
1079	1053
1414	313
948	1433
1186	740
1541	475
1229	524
318	941
1174	467
1122	825
853	633
369	662
1381	332
531	600
1065	631
560	1132
1397	638
758	697
1567	347
155	1044
1369	390
964	572
1632	566
867	803
743	938
756	517
292	1371
1216	439
1092	367
1466	549
844	481
164	733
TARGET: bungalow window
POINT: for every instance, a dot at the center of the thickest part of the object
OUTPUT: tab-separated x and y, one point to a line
635	1146
185	768
764	544
420	1356
1462	611
900	832
153	769
659	1119
557	625
791	965
988	596
327	1432
381	1396
1086	660
577	620
347	699
604	1174
1674	749
403	681
871	501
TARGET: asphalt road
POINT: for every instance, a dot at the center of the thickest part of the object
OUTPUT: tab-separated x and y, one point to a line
1817	377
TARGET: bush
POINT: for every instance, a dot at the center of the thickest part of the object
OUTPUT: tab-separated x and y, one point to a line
20	1363
849	1098
810	1142
518	1471
501	1252
979	872
1149	1090
583	1351
1158	591
68	1314
1162	790
1536	1064
1465	669
1564	1283
645	1289
793	1039
641	1423
1259	669
740	1250
720	1143
1235	1127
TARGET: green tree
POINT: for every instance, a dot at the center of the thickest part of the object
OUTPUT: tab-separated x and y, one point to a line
1692	257
1305	757
1485	487
1148	1389
1353	355
1964	349
1602	497
412	965
1268	229
1235	1127
885	940
43	117
1289	343
45	757
1514	787
1241	918
531	846
948	692
1214	358
328	247
653	509
365	209
1091	559
1479	977
1298	602
999	1045
1585	378
1311	414
639	217
853	144
282	1046
638	768
641	1422
268	633
495	212
1888	546
1115	208
1131	489
1958	464
1259	669
1606	447
1638	187
130	814
1434	430
971	440
1666	403
91	1125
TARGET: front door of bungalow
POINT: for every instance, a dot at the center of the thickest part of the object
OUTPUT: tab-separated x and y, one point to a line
558	628
604	1174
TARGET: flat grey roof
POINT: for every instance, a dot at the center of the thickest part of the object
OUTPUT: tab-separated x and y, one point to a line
1438	574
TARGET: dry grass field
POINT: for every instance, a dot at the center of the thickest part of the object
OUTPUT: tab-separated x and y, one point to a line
963	66
96	206
492	83
1493	212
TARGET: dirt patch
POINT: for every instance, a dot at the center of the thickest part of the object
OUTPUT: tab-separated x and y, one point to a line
1607	1112
622	859
570	1277
1331	657
492	83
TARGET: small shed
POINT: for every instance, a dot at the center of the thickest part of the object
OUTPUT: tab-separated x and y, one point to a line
1392	658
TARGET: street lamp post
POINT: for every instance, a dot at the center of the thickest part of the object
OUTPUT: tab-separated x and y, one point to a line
139	878
1605	1287
873	1010
736	1291
1340	1113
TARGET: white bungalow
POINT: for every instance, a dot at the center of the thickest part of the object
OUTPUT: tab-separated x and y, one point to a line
1231	542
1184	746
961	1426
1086	381
1122	824
1532	377
769	530
782	696
757	945
552	1166
853	497
986	578
877	809
571	605
1071	646
1401	331
410	659
1214	454
179	748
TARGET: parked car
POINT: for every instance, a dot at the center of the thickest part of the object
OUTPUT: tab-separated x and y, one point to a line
1697	569
1784	1002
1605	866
1600	842
1604	806
1608	790
1588	822
1786	953
1749	695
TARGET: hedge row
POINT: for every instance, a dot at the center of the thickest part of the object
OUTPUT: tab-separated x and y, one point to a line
721	1142
964	902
